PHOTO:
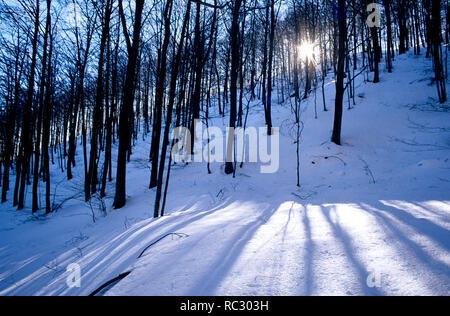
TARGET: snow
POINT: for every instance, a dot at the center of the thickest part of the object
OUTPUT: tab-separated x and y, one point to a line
376	209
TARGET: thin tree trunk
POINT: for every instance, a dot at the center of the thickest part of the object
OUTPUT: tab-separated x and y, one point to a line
173	85
342	18
25	137
229	168
127	102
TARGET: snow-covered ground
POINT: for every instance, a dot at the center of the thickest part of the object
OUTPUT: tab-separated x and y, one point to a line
372	217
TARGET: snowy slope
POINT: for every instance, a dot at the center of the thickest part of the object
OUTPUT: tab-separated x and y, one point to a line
377	208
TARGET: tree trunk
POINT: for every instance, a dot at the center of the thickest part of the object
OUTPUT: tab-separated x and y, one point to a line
47	120
37	150
127	102
25	135
270	70
159	99
387	7
376	50
437	51
342	21
92	178
229	168
173	85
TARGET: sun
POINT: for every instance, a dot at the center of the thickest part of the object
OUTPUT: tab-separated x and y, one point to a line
307	51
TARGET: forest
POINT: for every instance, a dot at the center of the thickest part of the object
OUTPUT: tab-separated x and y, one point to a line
87	86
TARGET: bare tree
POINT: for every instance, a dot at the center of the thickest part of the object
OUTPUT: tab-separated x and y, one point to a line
127	100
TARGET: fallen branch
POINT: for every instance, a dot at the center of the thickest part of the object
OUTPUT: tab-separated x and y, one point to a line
304	198
368	170
334	157
125	274
110	282
180	235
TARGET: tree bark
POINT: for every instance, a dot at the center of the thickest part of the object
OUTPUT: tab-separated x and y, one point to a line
229	167
25	150
342	22
173	85
127	102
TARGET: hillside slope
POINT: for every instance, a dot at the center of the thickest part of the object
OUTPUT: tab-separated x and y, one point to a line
376	209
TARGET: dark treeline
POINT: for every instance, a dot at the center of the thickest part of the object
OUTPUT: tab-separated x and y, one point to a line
82	75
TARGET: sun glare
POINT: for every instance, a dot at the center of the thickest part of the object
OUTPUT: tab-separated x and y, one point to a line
307	52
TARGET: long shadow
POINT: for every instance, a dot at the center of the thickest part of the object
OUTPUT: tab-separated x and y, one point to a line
284	230
101	246
309	254
444	215
285	227
98	256
351	254
212	279
176	227
420	254
423	226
